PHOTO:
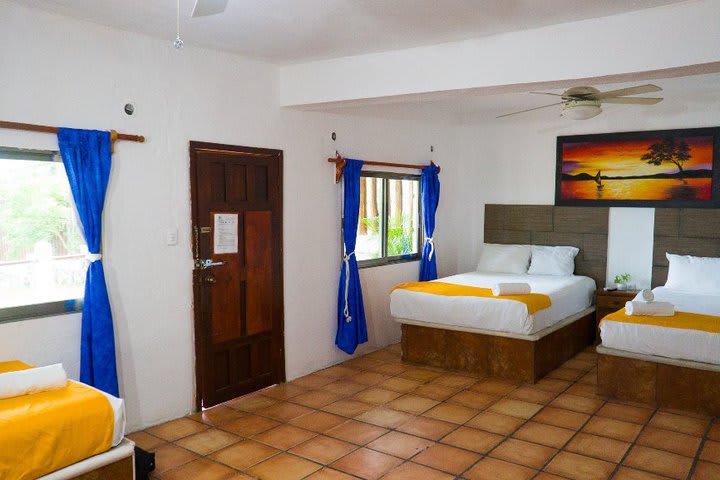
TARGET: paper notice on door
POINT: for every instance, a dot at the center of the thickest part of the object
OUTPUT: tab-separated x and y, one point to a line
225	239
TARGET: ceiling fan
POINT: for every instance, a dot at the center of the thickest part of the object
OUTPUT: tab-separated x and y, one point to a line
581	103
203	8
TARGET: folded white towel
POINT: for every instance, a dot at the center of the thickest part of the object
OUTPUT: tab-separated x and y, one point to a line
33	380
511	289
654	309
646	295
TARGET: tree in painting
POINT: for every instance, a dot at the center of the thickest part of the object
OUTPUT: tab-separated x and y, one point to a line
668	151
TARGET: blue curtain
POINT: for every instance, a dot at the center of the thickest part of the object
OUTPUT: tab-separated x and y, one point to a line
351	328
430	190
87	157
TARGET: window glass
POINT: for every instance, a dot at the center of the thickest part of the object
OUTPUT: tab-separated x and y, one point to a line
402	232
389	227
370	223
42	250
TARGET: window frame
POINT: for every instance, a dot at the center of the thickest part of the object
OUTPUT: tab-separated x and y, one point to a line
384	259
45	309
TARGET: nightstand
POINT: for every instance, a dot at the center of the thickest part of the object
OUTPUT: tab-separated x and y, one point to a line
609	302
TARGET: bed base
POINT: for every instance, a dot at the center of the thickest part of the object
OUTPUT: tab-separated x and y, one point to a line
659	381
118	463
510	357
120	470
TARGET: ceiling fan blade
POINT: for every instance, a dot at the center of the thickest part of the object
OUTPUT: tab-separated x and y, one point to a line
633	100
530	110
621	92
203	8
547	93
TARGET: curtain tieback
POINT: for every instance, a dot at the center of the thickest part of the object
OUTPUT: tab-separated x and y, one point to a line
93	257
432	247
346	311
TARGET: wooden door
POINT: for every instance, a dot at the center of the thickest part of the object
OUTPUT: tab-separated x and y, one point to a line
239	300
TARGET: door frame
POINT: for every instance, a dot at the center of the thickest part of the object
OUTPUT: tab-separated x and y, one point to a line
278	242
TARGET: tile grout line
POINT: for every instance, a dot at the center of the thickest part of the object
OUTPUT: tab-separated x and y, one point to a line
525	422
280	451
394	429
542	469
477	379
376	385
458	426
704	439
632	446
377	364
552	457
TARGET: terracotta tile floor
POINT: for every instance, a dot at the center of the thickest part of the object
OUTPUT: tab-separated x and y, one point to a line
375	417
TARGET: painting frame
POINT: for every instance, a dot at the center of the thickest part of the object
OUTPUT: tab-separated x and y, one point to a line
712	202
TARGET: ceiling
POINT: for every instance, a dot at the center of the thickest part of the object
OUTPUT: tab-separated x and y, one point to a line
294	31
680	94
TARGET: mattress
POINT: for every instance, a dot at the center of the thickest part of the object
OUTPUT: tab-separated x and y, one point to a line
677	343
118	408
569	295
48	430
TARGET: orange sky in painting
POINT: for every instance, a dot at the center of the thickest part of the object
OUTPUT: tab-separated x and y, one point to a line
622	158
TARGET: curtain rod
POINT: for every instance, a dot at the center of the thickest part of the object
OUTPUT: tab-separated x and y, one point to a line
339	162
46	129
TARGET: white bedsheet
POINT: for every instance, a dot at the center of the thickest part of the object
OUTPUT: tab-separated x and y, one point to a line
569	295
118	408
676	343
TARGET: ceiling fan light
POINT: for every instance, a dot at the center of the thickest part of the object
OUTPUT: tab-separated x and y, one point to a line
581	110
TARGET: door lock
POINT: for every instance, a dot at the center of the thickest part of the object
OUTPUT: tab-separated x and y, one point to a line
201	264
210	279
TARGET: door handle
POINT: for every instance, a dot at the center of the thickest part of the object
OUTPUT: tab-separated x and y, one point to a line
207	263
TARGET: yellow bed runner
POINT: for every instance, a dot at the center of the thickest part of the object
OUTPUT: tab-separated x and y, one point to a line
533	301
681	320
47	431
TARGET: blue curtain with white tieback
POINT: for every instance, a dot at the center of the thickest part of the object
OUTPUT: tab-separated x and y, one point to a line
430	191
86	155
351	326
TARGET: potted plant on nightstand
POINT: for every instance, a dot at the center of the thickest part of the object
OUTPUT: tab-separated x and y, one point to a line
621	281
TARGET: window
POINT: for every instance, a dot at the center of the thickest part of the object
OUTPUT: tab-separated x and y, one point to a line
42	250
389	229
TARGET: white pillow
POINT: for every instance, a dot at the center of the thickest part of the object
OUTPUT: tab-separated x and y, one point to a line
552	260
504	258
694	274
32	380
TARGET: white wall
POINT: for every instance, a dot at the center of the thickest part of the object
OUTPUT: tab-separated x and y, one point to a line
512	160
71	73
630	245
43	341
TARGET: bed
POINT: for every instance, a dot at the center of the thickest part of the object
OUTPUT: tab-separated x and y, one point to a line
662	365
496	336
569	295
74	432
669	367
515	345
671	343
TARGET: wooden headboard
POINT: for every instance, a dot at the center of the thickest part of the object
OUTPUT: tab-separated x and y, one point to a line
582	227
684	231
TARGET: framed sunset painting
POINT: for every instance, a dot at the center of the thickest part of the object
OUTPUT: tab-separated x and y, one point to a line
661	168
